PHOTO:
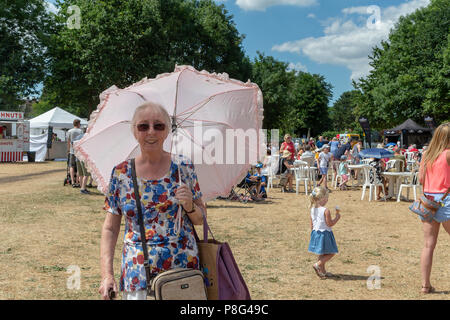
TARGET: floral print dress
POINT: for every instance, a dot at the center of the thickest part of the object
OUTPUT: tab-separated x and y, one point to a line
167	248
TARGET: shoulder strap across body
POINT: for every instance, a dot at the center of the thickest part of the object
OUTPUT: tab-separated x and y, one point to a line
141	224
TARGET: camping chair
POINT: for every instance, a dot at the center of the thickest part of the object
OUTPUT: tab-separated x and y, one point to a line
246	192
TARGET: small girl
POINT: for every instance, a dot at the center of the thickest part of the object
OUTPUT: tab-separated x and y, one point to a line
322	240
343	172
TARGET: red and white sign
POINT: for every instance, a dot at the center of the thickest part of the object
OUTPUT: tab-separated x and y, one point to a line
11	156
11	115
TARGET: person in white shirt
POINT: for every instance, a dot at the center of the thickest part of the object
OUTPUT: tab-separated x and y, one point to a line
322	241
323	161
72	135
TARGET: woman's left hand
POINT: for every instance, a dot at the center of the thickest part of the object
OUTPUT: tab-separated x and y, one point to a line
184	195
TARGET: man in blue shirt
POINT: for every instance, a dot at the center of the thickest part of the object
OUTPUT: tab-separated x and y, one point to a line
320	143
344	149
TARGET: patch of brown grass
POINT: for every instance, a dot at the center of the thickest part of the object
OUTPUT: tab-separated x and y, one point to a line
45	228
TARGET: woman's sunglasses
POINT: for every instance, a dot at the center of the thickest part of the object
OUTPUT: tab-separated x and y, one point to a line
142	127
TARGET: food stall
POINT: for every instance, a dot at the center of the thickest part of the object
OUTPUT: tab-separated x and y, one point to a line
14	136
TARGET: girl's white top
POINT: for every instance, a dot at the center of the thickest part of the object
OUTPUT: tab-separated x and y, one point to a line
318	219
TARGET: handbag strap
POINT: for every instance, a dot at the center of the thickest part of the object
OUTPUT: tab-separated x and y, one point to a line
141	223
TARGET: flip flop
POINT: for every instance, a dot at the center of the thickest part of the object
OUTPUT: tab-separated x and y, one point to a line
427	290
318	272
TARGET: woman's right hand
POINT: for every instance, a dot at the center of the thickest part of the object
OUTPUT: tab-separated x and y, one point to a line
108	284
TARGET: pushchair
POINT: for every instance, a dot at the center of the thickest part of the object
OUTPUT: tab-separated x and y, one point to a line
67	179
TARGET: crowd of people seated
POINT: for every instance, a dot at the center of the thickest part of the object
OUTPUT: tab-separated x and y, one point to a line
325	154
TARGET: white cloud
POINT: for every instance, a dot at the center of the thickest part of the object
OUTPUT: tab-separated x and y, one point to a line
311	15
261	5
297	67
348	40
51	7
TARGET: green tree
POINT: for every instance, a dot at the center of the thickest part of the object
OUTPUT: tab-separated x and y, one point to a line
24	31
311	96
411	71
276	84
343	113
120	42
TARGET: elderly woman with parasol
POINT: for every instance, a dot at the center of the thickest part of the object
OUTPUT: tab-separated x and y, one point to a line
158	181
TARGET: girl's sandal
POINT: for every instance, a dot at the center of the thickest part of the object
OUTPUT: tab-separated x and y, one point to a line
319	273
426	290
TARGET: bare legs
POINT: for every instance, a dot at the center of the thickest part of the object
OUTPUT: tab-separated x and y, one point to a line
430	232
324	258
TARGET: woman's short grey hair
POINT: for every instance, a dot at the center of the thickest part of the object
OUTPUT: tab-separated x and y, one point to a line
154	106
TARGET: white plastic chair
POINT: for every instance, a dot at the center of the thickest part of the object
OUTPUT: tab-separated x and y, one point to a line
311	161
274	164
397	164
409	156
335	168
372	186
366	161
409	182
301	171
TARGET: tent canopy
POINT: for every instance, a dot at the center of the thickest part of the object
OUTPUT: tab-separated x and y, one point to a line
409	125
56	118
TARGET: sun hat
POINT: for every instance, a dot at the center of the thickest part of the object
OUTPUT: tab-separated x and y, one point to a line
343	157
286	154
325	146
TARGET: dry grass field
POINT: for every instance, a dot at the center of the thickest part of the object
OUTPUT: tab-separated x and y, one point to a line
46	227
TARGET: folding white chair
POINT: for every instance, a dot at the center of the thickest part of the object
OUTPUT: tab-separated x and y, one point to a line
409	182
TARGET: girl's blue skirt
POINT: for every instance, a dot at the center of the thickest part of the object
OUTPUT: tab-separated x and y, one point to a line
322	242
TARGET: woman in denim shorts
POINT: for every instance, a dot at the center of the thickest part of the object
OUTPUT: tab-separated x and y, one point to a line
435	178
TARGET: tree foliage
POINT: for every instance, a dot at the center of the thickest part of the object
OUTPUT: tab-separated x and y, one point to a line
24	30
411	71
293	101
343	114
120	42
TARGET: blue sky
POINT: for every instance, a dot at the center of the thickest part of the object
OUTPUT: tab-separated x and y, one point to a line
329	37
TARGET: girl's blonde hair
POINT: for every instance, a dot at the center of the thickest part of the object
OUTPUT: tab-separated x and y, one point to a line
439	142
317	194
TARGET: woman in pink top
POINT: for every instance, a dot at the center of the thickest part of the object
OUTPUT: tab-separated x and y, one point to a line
434	175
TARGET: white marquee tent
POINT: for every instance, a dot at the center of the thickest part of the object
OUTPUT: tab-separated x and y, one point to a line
59	119
56	118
